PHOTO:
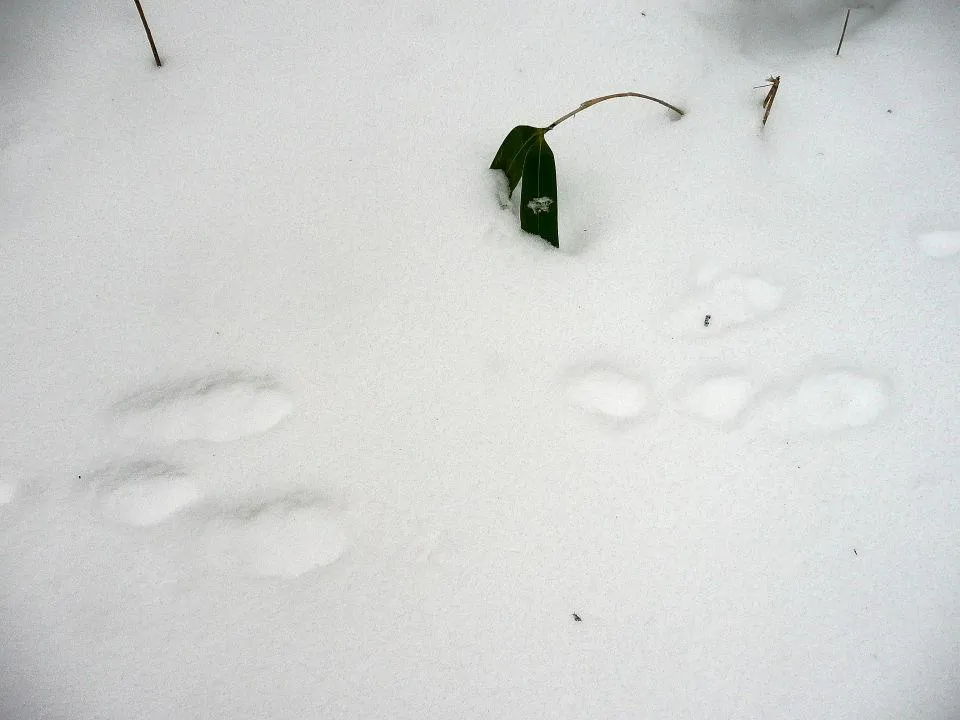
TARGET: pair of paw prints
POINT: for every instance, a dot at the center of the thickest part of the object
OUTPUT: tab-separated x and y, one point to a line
819	402
282	536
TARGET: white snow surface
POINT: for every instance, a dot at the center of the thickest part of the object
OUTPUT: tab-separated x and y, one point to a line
295	422
942	243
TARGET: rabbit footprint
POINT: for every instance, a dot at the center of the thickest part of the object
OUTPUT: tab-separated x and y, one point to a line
723	303
720	399
607	392
283	538
143	493
218	408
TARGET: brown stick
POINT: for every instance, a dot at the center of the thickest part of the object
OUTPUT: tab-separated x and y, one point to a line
842	34
594	101
156	55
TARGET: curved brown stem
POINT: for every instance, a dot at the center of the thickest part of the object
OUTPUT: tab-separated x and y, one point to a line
594	101
153	46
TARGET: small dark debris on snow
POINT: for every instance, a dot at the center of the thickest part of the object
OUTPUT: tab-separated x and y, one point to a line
577	618
855	552
706	321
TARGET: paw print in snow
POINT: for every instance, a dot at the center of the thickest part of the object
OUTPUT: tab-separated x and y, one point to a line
218	408
825	402
281	538
720	399
142	493
722	304
607	392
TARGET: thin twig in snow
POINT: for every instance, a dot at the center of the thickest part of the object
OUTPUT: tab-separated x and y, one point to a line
156	55
842	34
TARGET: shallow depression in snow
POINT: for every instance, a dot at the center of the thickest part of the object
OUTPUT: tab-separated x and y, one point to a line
143	494
606	391
723	304
718	399
835	400
218	409
284	538
824	402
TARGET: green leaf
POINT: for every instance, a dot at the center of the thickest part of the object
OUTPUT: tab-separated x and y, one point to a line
513	151
538	196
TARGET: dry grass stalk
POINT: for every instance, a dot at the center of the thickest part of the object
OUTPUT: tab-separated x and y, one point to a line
153	46
771	94
843	33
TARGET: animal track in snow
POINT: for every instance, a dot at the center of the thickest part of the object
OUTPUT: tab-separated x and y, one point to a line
939	244
282	538
718	399
826	402
839	399
143	493
723	303
605	391
218	408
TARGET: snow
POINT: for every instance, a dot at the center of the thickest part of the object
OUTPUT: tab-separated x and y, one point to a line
942	243
718	399
296	422
218	409
282	538
608	392
143	493
724	303
540	205
7	492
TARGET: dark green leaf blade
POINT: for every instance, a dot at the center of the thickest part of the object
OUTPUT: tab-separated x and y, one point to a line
513	150
538	196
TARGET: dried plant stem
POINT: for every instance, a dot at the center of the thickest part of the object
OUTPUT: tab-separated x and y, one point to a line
844	32
143	18
594	101
771	95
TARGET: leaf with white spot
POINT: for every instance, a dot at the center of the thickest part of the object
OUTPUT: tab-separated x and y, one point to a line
538	194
